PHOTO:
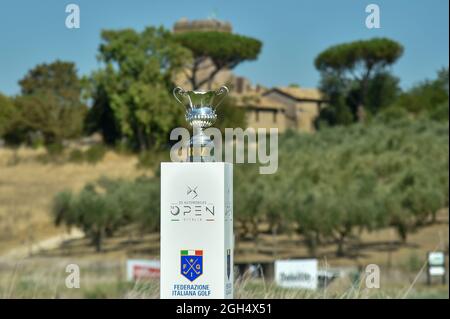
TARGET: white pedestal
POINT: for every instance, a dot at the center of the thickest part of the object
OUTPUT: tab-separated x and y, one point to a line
196	230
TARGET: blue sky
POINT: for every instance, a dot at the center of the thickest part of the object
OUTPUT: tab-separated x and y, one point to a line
293	33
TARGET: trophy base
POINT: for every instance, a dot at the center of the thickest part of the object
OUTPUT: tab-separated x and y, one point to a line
200	154
196	230
200	148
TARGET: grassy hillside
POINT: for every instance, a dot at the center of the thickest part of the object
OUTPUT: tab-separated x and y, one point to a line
27	187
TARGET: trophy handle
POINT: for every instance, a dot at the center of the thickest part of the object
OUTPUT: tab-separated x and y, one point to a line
221	93
178	93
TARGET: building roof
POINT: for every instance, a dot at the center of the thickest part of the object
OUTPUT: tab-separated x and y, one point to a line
299	93
258	101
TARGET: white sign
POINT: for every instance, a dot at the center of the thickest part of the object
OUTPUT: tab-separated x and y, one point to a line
138	269
196	230
296	273
436	258
436	263
437	271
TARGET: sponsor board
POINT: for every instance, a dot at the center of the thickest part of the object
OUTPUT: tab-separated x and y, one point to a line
138	269
296	273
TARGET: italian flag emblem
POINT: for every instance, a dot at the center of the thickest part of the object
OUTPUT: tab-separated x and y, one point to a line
192	253
191	263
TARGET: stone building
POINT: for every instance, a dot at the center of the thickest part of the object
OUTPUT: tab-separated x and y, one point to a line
281	107
302	105
185	25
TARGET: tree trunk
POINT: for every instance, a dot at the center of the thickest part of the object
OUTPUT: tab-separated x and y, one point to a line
340	243
274	243
434	217
340	247
141	139
98	241
208	80
361	113
312	243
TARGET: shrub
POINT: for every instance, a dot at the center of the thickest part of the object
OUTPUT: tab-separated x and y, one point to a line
102	208
341	180
54	154
152	159
330	186
54	150
95	153
76	156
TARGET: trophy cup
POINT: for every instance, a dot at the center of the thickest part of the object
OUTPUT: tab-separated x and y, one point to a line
200	114
197	240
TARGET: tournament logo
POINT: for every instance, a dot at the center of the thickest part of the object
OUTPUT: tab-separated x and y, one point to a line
191	263
193	191
193	209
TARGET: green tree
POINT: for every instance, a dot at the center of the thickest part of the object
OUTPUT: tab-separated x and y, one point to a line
103	207
43	113
148	210
429	97
96	214
383	90
355	64
132	93
60	78
101	117
226	51
338	111
50	102
335	184
7	113
251	198
61	210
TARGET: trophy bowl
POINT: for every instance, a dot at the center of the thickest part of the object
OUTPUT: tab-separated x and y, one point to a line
200	109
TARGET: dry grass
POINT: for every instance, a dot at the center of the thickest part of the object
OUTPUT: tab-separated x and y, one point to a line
27	188
105	278
382	248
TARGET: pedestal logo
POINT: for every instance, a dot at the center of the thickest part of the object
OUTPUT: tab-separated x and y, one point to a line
192	209
191	263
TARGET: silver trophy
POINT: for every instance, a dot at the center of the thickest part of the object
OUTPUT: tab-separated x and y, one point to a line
200	114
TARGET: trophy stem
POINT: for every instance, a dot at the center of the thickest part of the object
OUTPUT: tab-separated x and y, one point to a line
201	148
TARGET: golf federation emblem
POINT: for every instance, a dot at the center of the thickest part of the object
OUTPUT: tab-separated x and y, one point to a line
191	263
